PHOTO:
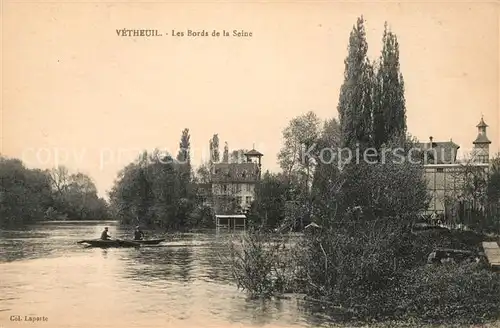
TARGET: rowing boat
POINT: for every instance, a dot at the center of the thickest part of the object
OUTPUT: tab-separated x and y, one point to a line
109	243
148	242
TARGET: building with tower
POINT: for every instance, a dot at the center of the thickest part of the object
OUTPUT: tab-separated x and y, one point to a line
233	189
446	176
482	144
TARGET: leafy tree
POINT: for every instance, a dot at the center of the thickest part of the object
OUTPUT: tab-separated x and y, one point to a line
238	156
30	195
159	190
297	157
325	181
203	173
494	181
299	144
24	194
268	209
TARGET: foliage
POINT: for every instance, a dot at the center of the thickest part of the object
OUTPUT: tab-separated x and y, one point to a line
158	190
449	293
214	149
201	217
203	173
493	188
373	270
301	134
225	155
298	158
184	147
237	156
356	93
475	198
381	188
363	257
389	110
271	195
153	192
30	195
260	265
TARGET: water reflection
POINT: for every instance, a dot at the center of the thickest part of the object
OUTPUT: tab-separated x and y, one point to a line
159	263
185	282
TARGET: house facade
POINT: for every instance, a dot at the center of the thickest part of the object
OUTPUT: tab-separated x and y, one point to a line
446	177
233	185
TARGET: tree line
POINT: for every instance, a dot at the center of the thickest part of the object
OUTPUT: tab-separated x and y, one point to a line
31	195
315	186
162	190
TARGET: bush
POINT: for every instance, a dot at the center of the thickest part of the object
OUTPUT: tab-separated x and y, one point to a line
261	265
446	293
378	275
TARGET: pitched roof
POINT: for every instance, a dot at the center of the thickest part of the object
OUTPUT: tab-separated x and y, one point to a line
441	152
253	152
235	172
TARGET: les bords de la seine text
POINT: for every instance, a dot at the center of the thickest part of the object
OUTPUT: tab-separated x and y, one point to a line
185	33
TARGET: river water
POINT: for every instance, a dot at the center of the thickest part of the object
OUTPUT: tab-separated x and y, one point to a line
184	283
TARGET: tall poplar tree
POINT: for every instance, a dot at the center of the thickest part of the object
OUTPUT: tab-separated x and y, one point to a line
184	157
184	147
356	93
389	113
214	149
225	155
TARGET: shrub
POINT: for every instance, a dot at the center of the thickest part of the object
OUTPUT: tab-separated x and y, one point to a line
260	264
446	293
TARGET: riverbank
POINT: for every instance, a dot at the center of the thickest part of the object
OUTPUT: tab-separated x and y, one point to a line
374	279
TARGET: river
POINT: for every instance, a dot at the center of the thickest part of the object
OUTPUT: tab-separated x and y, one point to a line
44	273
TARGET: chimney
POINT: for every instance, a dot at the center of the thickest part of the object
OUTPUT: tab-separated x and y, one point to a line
430	142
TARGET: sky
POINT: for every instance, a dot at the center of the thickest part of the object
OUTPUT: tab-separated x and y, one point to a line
75	93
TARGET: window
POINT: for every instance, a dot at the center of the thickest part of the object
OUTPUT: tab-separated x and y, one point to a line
248	200
483	158
224	188
239	200
440	170
248	187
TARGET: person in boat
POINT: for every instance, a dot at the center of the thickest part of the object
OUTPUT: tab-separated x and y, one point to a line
105	235
138	234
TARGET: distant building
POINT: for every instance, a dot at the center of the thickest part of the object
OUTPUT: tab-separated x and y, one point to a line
234	184
445	175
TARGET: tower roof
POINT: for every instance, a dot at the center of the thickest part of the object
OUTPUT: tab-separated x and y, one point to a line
253	152
482	124
481	139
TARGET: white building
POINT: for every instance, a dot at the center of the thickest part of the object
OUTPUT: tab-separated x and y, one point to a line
446	176
234	184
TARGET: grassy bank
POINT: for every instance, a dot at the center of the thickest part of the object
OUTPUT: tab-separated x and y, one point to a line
377	278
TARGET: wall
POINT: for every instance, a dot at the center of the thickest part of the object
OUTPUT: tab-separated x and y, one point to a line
446	182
